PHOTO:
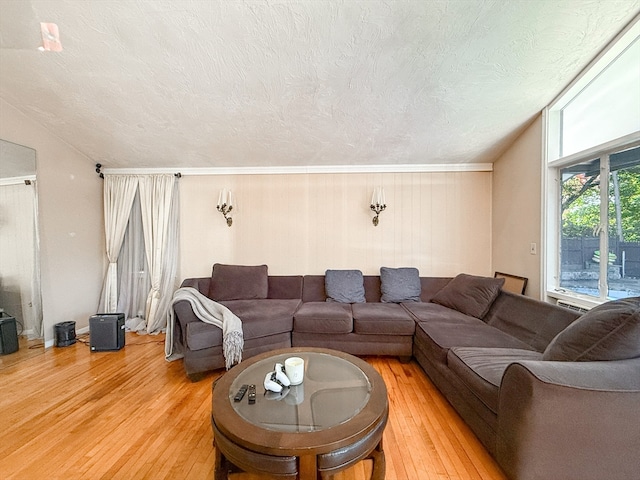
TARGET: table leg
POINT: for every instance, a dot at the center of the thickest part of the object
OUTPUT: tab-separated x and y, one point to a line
308	467
379	462
221	467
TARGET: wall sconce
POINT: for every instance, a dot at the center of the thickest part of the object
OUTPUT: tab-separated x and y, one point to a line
377	203
225	205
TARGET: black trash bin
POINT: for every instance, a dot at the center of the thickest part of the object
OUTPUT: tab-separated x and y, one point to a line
65	334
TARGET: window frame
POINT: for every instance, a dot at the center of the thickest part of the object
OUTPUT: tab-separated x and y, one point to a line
553	162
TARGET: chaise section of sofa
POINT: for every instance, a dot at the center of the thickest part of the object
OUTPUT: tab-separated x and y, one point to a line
550	393
465	355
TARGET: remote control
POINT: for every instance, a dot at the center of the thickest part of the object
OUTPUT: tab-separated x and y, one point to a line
252	394
241	392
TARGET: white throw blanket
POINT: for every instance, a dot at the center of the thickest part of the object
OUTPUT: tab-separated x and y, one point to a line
209	312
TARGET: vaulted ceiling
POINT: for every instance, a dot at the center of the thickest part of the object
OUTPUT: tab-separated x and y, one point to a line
258	83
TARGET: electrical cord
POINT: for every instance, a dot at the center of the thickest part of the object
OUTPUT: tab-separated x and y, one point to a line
84	338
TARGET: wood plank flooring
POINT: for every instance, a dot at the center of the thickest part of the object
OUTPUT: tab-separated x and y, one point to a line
72	414
26	349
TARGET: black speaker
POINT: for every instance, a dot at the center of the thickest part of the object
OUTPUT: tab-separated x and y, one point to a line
8	335
106	332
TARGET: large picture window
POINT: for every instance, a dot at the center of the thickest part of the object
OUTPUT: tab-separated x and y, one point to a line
593	180
600	226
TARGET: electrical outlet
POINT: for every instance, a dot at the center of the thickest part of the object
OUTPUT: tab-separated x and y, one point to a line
533	249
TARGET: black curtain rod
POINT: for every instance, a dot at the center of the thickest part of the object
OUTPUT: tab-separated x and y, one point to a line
101	175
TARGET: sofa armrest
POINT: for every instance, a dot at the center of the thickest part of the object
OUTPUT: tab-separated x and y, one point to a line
569	420
201	284
184	313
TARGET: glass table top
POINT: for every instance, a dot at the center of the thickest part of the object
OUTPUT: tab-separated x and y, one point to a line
334	391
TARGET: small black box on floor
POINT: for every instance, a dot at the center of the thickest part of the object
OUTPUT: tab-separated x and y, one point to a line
65	333
106	332
8	334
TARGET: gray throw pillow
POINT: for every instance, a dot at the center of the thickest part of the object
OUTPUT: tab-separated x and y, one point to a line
238	282
469	294
400	284
610	331
344	286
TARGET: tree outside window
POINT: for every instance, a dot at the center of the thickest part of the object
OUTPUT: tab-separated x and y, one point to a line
585	221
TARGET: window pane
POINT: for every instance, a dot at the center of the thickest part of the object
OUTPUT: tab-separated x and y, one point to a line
580	241
580	255
623	275
608	108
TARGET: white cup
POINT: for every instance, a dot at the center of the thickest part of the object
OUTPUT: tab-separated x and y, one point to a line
294	368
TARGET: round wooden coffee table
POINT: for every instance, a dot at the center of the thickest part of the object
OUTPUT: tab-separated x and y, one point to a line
334	419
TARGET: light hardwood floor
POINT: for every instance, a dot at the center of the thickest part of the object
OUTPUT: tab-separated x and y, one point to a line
72	414
27	349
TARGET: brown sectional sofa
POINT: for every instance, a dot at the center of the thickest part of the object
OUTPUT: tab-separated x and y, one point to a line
522	373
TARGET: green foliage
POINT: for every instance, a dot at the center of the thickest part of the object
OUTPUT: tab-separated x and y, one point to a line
629	183
581	205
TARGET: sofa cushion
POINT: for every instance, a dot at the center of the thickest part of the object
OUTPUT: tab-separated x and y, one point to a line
285	286
382	319
323	317
400	284
372	291
429	286
610	331
470	294
532	321
481	369
429	312
238	282
344	286
264	317
435	338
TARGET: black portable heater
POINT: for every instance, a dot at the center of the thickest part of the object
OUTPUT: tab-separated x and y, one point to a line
106	332
8	334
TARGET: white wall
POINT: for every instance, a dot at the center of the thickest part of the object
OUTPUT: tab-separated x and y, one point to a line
517	208
296	224
307	223
71	222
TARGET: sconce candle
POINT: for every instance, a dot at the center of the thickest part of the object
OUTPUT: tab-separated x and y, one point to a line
225	205
378	204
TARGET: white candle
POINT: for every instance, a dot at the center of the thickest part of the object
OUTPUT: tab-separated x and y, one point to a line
294	368
377	196
382	200
220	198
229	198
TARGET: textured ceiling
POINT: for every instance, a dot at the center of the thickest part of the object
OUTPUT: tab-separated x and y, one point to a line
166	83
